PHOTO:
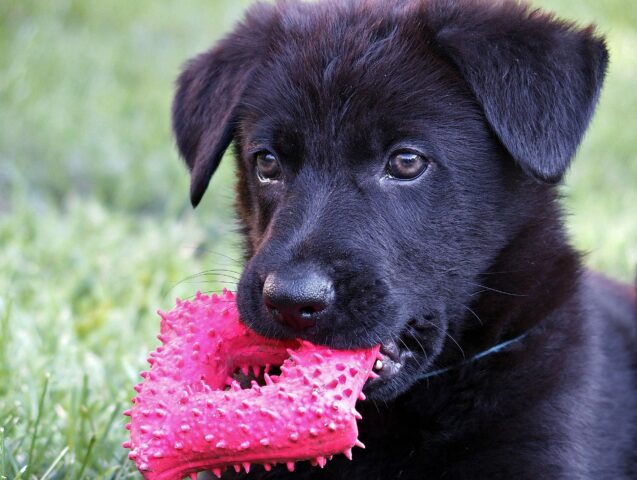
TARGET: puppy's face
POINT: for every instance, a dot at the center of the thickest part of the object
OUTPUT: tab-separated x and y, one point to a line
360	173
374	185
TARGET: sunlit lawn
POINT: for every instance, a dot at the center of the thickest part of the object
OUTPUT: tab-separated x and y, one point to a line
95	227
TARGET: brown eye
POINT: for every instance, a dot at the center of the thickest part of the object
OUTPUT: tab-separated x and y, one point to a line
268	167
406	165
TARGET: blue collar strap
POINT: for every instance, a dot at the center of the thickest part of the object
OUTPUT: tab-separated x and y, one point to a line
495	349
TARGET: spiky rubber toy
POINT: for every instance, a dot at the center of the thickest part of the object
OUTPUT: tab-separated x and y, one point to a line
209	403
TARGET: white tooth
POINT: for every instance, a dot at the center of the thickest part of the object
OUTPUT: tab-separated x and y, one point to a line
378	365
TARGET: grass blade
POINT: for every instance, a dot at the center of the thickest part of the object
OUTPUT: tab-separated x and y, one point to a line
3	472
54	464
34	435
123	467
111	420
87	456
4	347
20	473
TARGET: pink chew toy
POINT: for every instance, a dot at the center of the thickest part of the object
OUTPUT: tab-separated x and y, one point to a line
209	402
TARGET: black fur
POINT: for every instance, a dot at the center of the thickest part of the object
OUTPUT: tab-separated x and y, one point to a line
471	253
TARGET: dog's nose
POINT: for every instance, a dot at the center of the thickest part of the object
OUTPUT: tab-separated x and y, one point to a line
297	297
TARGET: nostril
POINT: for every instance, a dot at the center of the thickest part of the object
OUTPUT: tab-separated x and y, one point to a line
309	311
296	297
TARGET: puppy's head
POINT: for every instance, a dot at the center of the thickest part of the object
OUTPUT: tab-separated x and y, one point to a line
387	152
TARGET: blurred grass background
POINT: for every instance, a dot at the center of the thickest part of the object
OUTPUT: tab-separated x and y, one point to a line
96	231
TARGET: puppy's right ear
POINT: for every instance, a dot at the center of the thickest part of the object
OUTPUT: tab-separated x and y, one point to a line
208	92
537	78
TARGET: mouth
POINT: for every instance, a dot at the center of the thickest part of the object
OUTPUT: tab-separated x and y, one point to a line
390	366
401	358
394	358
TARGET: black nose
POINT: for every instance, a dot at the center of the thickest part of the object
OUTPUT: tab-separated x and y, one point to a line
297	297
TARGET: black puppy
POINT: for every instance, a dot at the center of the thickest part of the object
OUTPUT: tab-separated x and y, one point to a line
397	165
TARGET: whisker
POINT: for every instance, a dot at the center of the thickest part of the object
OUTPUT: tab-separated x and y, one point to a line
407	348
220	273
470	310
232	259
413	335
214	252
500	272
210	276
448	335
494	290
194	279
208	282
220	270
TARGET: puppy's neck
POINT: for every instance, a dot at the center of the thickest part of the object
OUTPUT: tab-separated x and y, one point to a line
535	274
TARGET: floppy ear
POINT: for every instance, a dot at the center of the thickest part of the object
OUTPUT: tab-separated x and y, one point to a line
208	92
537	78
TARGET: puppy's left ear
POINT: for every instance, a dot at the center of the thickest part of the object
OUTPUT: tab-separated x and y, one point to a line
208	92
537	78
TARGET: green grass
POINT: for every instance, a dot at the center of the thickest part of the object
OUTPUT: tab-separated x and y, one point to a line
95	226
